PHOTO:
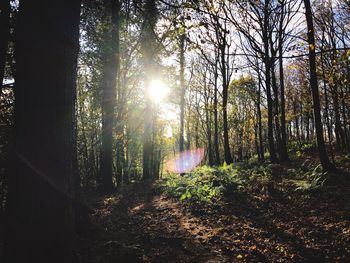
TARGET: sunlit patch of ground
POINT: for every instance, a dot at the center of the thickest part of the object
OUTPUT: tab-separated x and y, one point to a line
259	226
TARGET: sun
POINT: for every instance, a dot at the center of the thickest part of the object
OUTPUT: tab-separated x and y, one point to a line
157	90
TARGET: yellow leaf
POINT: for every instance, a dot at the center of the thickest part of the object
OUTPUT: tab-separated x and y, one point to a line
239	256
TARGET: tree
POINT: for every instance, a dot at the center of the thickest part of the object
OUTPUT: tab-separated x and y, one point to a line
109	82
225	85
148	53
326	164
259	118
40	214
222	35
285	17
182	85
243	99
212	59
215	107
4	33
255	27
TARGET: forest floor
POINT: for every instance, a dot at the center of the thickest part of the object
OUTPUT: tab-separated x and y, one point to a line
265	223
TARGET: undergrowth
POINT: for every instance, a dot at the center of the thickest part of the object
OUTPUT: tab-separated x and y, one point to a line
312	178
206	185
209	185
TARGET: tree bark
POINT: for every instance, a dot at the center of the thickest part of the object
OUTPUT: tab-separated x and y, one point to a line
120	155
326	164
182	92
258	109
216	124
4	33
109	87
148	55
120	151
267	62
188	130
40	215
208	122
227	152
276	108
283	150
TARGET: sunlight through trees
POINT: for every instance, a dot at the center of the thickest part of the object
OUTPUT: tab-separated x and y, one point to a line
201	98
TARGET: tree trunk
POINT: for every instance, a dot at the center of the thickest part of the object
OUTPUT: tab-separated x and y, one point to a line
208	122
4	33
256	141
148	55
188	130
276	108
273	157
216	124
121	176
340	132
283	149
182	93
326	101
40	214
196	133
109	86
345	121
216	128
147	141
120	154
296	120
326	164
267	62
227	152
258	109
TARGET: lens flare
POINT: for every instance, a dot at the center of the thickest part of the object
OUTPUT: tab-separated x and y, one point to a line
185	161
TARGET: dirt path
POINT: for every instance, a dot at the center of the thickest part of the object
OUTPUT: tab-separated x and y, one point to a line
153	228
143	226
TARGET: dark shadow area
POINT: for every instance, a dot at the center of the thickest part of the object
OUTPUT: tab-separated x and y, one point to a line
261	224
141	230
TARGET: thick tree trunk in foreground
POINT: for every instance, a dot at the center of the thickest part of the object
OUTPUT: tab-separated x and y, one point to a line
109	87
326	164
4	36
40	215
